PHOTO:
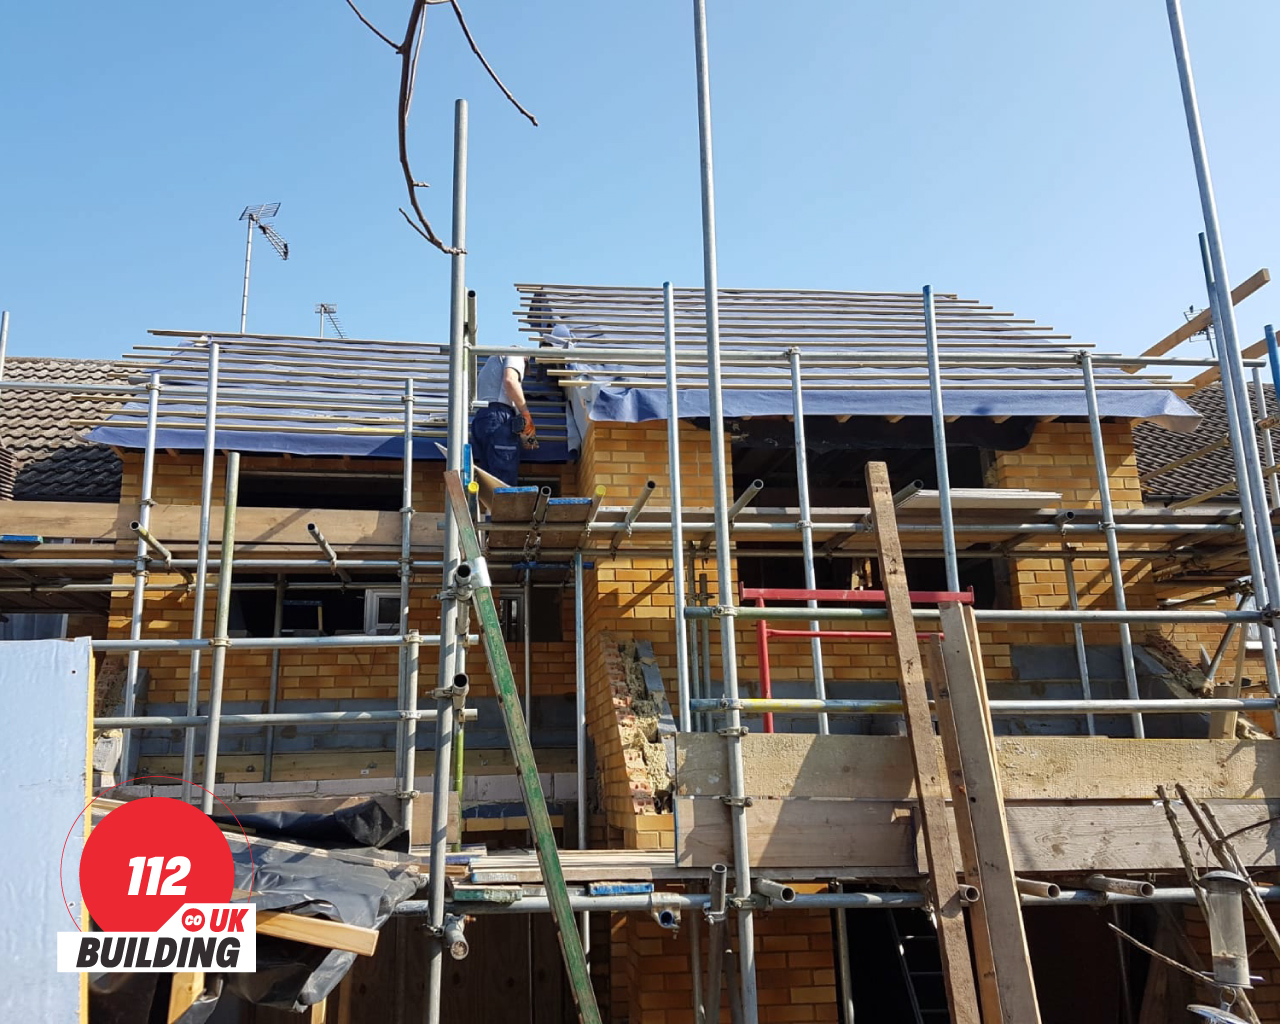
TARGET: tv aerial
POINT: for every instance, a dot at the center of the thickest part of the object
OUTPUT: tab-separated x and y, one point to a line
257	216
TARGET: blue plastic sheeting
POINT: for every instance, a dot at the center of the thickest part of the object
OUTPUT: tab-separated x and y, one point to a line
819	323
283	442
636	405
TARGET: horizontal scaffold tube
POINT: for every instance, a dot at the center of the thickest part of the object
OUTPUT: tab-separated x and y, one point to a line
1119	706
252	564
807	901
275	718
273	643
744	524
1084	615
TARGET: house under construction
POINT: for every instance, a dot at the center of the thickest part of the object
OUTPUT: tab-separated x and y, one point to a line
837	655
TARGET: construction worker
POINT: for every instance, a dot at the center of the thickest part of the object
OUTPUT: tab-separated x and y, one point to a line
503	427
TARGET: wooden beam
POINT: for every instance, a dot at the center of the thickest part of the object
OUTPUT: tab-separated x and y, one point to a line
187	987
316	931
1043	769
177	525
1202	319
944	889
1254	351
990	831
791	833
319	1012
1061	838
979	929
895	419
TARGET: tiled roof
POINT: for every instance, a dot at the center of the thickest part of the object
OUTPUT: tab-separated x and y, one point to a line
1156	447
55	463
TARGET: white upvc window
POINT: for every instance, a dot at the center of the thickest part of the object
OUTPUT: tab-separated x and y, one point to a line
381	612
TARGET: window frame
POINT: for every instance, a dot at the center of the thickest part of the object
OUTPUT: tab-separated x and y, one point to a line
373	597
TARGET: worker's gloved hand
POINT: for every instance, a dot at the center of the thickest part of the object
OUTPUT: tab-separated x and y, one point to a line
528	433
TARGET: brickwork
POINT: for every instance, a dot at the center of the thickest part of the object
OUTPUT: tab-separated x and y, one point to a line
795	965
1060	458
626	781
354	674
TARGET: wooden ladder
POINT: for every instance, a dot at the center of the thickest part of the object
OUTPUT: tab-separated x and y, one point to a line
535	800
1005	988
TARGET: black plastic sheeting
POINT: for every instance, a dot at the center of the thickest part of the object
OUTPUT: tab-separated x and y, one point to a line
368	823
336	884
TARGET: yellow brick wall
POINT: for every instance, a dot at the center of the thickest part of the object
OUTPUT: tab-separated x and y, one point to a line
1060	458
795	970
355	673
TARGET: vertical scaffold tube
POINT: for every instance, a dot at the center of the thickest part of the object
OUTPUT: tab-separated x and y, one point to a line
408	674
221	620
940	444
1082	652
141	560
449	640
1228	337
806	528
273	689
580	723
677	513
1257	529
688	567
1109	533
202	558
526	639
1268	447
724	554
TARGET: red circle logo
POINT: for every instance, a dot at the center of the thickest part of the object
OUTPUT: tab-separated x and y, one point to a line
193	920
147	858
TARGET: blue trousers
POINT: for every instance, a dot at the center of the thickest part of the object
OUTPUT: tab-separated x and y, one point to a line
495	443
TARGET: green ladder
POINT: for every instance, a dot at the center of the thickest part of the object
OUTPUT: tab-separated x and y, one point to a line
535	801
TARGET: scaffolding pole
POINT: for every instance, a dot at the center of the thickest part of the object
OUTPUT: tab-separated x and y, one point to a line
733	730
1082	652
1109	533
449	600
220	643
202	559
1268	448
1229	353
145	504
940	444
806	528
273	690
580	725
1236	403
408	662
677	511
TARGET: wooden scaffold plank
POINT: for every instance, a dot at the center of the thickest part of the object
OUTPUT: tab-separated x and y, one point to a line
1003	906
983	954
944	888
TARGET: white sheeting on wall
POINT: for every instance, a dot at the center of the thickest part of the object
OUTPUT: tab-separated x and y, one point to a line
44	709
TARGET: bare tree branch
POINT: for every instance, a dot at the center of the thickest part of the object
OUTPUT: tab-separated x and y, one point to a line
371	27
409	50
462	23
407	61
413	70
1202	978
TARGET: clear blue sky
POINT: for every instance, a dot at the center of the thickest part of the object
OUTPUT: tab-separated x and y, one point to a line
1032	155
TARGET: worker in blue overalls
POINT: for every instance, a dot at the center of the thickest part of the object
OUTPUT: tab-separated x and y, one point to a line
503	427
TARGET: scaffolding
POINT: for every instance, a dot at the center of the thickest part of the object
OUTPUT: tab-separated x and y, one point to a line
220	386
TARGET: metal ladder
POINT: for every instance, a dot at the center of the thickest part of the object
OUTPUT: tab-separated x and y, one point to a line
535	800
920	960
